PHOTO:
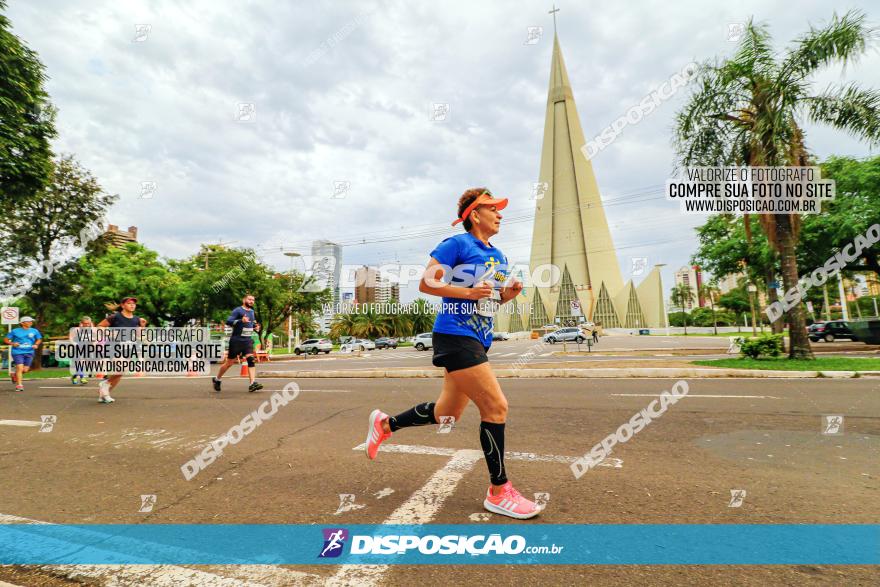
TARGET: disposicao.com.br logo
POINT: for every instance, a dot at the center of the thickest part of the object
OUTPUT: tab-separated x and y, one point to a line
450	544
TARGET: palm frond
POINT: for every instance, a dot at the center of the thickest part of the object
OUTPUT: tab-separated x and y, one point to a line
843	40
849	108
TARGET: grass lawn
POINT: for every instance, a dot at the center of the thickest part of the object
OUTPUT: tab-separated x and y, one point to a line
746	333
43	373
783	364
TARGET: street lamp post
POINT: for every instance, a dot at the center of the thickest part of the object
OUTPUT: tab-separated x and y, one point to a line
752	289
291	255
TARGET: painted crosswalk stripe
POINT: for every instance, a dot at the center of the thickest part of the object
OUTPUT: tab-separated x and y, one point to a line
19	423
692	395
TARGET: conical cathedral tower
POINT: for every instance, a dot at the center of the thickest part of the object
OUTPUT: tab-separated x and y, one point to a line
571	231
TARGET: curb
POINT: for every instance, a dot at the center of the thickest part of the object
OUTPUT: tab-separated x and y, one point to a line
655	373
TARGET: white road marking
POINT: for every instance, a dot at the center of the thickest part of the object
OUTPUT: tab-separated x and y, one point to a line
692	395
420	449
19	423
174	575
420	508
424	504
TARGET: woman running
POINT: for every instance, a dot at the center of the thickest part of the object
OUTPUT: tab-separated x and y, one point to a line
123	318
474	272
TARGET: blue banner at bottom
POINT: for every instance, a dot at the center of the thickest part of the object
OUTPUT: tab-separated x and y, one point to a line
529	544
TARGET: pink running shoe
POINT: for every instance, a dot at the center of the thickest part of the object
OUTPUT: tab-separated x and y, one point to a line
375	434
509	502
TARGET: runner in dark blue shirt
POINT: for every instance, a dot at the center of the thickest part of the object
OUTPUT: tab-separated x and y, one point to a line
241	346
124	318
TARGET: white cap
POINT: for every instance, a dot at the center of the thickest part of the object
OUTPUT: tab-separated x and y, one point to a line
25	319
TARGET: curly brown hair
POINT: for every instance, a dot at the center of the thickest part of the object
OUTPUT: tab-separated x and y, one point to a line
466	199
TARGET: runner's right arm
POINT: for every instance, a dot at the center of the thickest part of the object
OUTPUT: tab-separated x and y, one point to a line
237	314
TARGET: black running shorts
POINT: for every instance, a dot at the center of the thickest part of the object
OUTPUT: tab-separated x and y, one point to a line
454	352
240	348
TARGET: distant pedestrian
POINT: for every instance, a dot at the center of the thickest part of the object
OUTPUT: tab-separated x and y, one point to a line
24	341
79	378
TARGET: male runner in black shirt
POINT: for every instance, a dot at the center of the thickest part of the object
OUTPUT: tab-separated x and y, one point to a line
241	345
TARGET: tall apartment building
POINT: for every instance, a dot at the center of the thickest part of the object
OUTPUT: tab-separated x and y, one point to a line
693	278
327	267
373	288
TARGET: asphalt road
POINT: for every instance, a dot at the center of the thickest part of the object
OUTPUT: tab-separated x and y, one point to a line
760	436
649	349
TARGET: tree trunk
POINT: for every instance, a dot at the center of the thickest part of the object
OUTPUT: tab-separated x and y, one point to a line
797	331
778	326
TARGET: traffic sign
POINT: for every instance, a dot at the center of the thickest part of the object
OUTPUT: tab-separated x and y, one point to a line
9	315
575	308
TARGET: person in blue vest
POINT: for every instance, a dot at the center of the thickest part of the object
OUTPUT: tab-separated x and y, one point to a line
24	340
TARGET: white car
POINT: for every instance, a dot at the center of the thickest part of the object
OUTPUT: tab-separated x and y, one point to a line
423	341
362	344
563	334
314	346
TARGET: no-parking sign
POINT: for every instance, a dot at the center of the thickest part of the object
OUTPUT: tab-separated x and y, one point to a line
9	315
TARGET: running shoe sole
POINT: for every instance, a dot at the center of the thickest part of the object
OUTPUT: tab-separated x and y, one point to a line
503	512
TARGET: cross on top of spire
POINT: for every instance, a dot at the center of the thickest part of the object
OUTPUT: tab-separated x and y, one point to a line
553	12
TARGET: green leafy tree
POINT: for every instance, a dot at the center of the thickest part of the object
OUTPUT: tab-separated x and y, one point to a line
736	300
751	109
709	292
682	295
132	269
855	208
217	278
41	239
725	248
27	120
421	319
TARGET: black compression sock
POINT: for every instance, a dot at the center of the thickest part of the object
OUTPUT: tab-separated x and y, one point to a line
492	441
420	415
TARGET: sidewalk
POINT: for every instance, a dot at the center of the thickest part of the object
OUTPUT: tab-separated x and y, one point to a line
597	372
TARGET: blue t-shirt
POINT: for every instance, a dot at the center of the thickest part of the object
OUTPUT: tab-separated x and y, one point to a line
240	330
25	337
468	259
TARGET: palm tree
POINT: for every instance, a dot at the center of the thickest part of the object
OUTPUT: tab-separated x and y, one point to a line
422	317
750	110
342	325
681	296
709	291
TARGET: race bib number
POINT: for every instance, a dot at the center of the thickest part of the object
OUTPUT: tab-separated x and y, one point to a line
247	331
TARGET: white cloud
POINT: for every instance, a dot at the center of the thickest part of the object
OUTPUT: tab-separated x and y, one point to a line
163	110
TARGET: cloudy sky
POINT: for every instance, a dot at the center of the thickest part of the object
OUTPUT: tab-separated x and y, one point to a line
343	92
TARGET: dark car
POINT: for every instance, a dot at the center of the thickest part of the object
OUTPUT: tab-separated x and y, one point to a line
385	342
829	331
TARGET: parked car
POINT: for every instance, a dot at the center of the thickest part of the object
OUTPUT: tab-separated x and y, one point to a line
314	346
423	341
566	334
386	342
500	336
829	331
363	344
